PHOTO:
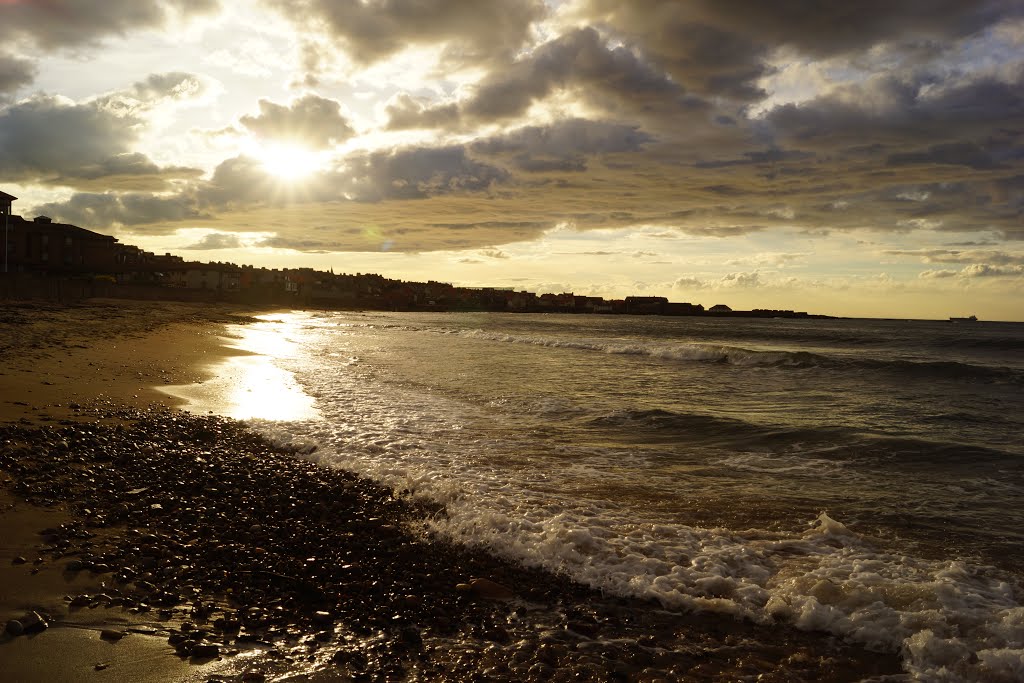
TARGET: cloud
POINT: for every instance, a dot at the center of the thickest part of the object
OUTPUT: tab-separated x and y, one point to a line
310	120
722	47
953	153
688	283
937	274
740	280
562	146
904	109
56	24
768	156
106	211
242	182
50	140
372	31
987	270
579	61
971	256
777	259
15	73
975	270
417	172
216	240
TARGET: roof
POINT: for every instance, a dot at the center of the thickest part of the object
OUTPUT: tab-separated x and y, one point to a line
4	197
66	228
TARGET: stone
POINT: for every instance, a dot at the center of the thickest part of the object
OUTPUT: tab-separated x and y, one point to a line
112	634
490	590
205	650
34	622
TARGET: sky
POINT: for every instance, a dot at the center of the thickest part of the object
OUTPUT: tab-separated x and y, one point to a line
849	158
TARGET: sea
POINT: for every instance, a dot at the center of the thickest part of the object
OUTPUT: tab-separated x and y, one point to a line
863	478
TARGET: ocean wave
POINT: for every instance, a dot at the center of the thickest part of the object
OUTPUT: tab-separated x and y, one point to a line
828	578
742	357
827	442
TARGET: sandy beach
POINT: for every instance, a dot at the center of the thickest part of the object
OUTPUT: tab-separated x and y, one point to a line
139	542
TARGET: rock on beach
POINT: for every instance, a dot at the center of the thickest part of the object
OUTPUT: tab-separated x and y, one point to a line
233	543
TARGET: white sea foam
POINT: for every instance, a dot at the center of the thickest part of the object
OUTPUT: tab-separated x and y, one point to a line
951	621
827	578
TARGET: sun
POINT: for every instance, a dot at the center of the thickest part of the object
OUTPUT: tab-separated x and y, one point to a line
287	162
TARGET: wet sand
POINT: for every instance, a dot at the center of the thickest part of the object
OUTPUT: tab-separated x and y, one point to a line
177	547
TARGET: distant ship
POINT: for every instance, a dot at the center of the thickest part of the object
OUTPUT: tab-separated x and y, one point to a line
968	319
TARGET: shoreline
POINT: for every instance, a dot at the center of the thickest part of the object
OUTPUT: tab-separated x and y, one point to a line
192	529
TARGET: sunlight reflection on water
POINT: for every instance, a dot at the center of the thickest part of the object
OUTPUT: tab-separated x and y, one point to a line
251	386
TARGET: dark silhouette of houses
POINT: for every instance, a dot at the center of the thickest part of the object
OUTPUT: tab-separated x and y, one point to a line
40	245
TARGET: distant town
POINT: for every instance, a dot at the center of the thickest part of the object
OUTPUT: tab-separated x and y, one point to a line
44	259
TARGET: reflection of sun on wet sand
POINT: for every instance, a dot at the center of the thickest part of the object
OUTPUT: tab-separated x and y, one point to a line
177	546
246	387
248	384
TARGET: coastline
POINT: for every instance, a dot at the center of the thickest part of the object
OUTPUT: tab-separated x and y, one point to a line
219	533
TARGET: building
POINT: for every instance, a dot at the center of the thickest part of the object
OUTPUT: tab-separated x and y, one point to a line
646	305
42	245
5	203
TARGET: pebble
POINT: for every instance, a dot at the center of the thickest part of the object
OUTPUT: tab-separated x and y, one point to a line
320	563
205	650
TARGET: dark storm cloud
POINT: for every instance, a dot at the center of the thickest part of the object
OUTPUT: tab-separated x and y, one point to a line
415	173
55	24
720	46
563	145
371	31
579	61
311	120
895	110
47	140
770	156
45	135
103	211
15	73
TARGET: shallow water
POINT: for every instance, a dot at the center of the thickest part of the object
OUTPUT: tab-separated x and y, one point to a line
860	477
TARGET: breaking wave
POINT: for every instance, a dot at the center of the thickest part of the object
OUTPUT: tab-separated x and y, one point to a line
742	357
